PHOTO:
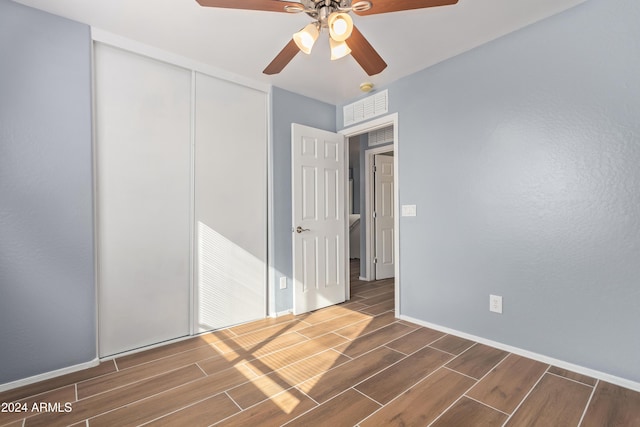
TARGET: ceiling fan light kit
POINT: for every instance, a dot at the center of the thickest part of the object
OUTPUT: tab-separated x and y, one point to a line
340	26
344	37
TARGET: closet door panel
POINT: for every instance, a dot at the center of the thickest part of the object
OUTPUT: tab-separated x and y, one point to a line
230	203
143	121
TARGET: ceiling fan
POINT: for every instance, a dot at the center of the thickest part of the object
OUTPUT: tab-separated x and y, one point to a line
332	15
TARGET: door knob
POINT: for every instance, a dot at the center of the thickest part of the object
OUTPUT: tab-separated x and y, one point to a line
300	229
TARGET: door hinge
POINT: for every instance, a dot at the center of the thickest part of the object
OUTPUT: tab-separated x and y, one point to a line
375	169
375	260
375	215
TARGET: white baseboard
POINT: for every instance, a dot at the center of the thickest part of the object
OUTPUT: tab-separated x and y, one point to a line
622	382
363	279
156	345
49	375
281	313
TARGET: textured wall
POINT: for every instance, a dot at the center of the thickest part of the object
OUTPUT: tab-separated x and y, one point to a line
287	108
522	158
47	301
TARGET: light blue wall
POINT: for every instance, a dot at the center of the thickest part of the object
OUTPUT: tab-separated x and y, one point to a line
47	301
287	108
522	158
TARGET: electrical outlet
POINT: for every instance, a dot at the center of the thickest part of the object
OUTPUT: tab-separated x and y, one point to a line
495	303
283	282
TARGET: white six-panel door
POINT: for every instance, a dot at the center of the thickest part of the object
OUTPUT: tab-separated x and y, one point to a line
319	218
384	216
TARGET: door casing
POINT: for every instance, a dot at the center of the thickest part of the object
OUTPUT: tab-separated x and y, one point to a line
381	122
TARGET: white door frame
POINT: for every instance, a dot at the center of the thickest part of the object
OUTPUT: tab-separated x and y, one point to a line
369	200
381	122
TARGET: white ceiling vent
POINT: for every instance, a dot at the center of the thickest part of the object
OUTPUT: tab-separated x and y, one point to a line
366	108
381	136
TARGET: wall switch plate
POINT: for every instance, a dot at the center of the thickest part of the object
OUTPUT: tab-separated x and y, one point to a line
408	210
495	303
283	282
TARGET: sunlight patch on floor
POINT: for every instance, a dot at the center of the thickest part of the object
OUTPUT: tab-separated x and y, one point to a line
280	395
278	385
286	401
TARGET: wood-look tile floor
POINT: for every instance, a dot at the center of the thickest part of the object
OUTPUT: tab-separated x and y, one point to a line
346	365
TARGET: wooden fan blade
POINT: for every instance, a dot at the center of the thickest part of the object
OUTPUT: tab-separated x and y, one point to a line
385	6
268	5
282	59
364	53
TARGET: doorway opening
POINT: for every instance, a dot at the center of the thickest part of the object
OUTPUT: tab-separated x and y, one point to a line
371	209
320	189
375	225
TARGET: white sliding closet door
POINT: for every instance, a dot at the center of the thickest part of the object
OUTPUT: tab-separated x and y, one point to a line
143	122
230	203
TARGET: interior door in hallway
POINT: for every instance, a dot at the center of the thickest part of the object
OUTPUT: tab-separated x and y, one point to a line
384	216
319	218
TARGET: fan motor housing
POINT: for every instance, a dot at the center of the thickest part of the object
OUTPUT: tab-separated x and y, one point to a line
321	9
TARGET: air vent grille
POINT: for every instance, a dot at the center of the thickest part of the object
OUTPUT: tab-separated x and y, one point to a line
381	136
366	108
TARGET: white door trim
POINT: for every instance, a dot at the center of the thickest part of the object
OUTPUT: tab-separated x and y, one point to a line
380	122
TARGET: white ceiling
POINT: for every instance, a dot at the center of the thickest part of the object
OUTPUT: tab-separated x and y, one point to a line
244	42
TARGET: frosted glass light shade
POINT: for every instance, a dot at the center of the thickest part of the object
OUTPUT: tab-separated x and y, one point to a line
306	37
340	26
338	49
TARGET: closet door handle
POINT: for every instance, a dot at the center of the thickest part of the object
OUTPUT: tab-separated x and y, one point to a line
300	229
